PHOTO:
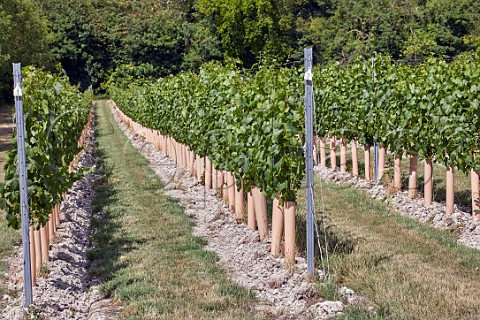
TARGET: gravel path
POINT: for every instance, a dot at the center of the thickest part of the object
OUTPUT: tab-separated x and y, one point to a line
67	292
460	223
282	293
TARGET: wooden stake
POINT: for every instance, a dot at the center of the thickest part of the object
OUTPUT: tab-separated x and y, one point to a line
178	154
53	214
475	181
238	201
260	203
343	155
169	147
277	226
397	173
221	183
412	179
323	152
58	214
51	231
251	211
231	190
197	166
44	244
200	165
333	153
450	197
192	163
33	256
428	182
290	232
225	187
214	178
381	162
366	149
185	155
208	173
353	143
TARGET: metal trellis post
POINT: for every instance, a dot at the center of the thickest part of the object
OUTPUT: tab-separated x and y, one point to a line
375	145
309	157
22	171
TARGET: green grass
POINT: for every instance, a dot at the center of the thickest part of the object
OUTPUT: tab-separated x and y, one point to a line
359	314
8	237
144	249
409	270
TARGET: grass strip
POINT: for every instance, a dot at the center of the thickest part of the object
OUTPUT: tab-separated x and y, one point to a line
409	270
9	238
144	249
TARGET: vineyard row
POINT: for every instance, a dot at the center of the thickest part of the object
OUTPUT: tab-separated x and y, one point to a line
56	118
250	124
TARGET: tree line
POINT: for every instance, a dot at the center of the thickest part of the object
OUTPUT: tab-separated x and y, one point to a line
95	41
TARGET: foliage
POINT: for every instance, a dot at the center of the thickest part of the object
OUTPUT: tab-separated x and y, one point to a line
55	115
429	109
344	29
92	39
126	74
24	38
248	124
201	45
250	27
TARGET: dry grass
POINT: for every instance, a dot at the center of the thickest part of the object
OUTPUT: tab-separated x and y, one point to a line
144	248
409	270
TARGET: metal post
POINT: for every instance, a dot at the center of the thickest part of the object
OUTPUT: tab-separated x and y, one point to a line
22	171
375	145
309	157
375	160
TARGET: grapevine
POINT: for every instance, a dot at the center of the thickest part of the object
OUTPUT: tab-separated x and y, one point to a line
55	115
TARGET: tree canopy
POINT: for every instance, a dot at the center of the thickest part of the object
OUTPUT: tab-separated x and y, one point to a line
94	40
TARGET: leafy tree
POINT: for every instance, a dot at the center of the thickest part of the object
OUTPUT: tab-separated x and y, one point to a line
343	29
24	38
202	44
249	28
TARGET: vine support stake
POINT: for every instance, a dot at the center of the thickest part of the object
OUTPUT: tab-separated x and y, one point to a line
22	172
450	196
309	157
375	160
475	183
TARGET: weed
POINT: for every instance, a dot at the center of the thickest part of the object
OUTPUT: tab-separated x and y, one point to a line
328	290
43	271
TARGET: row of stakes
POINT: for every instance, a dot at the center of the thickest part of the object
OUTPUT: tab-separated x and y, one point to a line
321	158
43	237
283	230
